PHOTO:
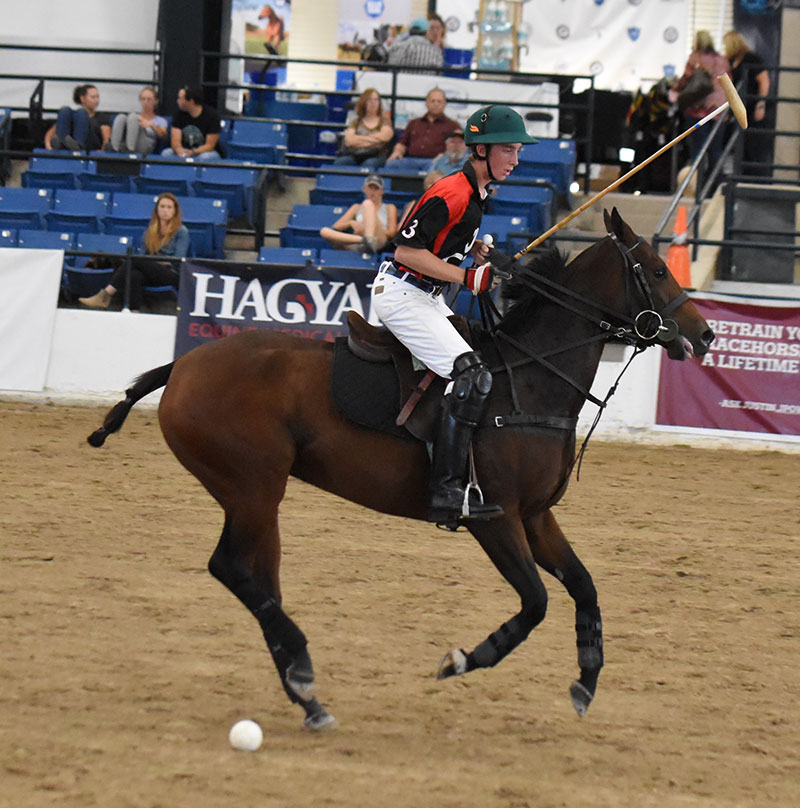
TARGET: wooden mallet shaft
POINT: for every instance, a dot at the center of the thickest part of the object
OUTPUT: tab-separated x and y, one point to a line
737	108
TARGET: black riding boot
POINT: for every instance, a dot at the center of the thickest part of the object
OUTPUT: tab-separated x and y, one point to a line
462	409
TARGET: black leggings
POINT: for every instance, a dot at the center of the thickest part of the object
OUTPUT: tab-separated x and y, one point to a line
143	273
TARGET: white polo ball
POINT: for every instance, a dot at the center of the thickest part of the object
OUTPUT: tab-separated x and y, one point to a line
246	736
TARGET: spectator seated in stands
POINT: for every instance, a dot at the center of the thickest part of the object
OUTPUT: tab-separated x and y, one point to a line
424	138
83	128
195	129
454	156
416	50
139	132
431	177
371	223
166	235
368	135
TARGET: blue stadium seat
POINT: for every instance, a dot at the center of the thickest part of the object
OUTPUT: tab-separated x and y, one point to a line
50	172
234	185
305	222
500	226
24	207
78	210
82	282
534	203
92	180
301	137
288	256
45	240
348	259
549	159
8	238
206	220
257	142
156	178
130	214
340	189
100	242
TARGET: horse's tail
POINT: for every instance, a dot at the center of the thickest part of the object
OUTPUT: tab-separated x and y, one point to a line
146	383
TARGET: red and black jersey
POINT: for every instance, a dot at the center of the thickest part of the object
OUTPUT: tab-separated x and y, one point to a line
446	219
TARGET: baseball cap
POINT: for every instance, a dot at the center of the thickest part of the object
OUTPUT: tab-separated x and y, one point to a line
454	133
374	179
419	24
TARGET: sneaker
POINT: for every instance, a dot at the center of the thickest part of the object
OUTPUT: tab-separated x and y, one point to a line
55	143
72	144
369	245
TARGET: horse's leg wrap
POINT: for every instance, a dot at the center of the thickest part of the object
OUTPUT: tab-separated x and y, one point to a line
589	632
279	630
499	644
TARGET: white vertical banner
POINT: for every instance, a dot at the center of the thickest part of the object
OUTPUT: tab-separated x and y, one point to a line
29	283
622	43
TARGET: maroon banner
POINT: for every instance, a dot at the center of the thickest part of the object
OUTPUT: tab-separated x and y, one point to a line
750	379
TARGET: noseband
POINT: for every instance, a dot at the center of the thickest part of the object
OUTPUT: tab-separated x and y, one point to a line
651	323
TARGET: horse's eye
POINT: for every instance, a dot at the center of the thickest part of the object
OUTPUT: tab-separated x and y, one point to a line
660	273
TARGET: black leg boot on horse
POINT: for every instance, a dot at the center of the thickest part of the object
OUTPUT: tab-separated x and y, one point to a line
453	498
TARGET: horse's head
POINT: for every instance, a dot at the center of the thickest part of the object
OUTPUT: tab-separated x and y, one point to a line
661	310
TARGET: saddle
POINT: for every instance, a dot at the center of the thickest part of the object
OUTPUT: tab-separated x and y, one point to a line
375	384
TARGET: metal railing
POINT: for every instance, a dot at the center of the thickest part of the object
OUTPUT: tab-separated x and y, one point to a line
584	143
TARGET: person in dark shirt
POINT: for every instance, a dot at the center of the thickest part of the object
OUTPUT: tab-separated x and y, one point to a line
195	129
424	138
83	128
752	80
434	238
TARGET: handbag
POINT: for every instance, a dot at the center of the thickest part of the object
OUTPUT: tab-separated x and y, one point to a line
700	85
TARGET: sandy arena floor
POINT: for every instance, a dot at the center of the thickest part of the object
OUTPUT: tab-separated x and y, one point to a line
124	663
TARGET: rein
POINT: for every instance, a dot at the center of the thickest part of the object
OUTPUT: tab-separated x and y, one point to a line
631	330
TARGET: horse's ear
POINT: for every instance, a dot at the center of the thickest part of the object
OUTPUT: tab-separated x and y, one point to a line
607	220
617	221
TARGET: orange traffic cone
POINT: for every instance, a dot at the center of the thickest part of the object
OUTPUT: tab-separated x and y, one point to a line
678	253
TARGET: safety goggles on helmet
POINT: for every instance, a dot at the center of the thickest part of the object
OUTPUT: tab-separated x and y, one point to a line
496	123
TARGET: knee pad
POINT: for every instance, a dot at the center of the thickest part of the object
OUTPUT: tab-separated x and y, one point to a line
472	383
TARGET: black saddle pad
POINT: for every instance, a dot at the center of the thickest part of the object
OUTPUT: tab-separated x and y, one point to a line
367	393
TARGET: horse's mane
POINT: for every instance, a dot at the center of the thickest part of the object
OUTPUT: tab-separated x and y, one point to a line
523	298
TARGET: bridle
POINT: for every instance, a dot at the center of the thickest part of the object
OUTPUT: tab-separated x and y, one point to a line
640	330
661	328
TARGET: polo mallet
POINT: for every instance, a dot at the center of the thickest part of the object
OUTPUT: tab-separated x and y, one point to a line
736	107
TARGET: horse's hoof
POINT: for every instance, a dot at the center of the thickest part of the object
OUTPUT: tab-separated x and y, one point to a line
453	664
320	722
581	698
301	682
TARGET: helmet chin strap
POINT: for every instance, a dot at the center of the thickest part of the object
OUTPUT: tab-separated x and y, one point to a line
492	177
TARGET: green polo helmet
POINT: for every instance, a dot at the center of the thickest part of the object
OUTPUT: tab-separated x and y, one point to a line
496	123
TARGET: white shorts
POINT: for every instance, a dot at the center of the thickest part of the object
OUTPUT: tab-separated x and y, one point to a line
419	320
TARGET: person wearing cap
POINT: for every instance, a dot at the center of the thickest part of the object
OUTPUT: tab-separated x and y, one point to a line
366	226
416	50
454	156
424	138
430	245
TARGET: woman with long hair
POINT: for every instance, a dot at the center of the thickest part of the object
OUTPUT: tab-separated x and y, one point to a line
369	135
752	80
139	132
80	128
165	235
704	56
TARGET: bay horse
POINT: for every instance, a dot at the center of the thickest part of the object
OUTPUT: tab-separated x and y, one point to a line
245	412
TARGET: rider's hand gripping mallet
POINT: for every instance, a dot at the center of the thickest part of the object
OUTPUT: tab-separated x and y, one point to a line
736	107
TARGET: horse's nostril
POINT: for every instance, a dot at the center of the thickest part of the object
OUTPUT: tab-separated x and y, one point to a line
708	337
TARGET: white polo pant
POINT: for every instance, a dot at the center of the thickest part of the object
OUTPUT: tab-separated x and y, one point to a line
419	320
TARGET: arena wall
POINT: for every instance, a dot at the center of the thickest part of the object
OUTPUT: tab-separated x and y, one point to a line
94	356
